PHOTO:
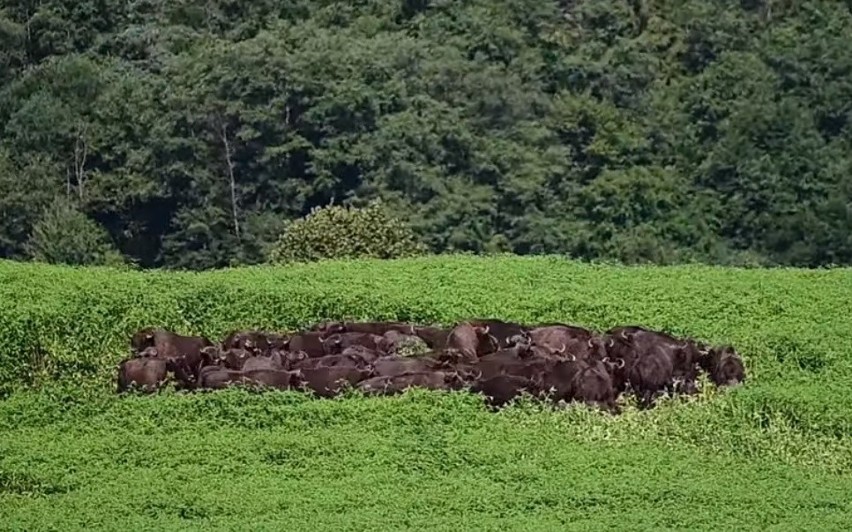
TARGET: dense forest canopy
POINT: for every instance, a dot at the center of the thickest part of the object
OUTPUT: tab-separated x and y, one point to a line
636	130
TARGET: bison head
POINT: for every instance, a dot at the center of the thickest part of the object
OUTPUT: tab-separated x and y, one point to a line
332	345
450	357
143	339
487	342
613	365
148	352
288	358
210	356
727	367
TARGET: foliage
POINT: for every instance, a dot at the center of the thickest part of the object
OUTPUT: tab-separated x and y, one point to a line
338	232
632	130
64	235
74	455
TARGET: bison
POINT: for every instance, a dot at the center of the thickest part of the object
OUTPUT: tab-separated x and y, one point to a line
504	332
332	361
183	351
147	374
395	365
217	378
559	336
310	343
471	341
357	350
328	382
276	361
435	337
336	343
631	341
274	378
649	373
513	362
724	366
499	390
431	380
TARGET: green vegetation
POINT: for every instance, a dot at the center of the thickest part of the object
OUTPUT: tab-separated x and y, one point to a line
337	232
637	130
65	235
776	452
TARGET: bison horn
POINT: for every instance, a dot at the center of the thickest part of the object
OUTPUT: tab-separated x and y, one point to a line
621	363
321	339
560	351
590	343
624	335
610	343
606	360
573	358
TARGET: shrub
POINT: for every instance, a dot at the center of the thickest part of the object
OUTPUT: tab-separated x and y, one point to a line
64	235
337	232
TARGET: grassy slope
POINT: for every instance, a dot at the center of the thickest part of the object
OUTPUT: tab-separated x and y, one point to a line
776	452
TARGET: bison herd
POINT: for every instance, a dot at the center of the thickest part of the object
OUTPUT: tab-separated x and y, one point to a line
498	359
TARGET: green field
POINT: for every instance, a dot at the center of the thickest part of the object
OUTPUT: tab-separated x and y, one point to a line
773	454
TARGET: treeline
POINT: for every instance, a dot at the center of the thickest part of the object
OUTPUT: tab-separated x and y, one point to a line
190	131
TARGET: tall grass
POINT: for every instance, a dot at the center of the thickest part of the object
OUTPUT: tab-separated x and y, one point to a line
776	452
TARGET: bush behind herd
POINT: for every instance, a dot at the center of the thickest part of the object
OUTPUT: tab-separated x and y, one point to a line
777	450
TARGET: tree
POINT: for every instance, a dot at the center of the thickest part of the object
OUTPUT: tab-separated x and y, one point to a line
64	235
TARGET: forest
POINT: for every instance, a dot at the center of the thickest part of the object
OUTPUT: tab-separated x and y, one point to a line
188	133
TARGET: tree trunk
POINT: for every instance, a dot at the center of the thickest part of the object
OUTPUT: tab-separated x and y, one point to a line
227	145
81	153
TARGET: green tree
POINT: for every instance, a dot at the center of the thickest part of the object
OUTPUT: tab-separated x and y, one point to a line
64	235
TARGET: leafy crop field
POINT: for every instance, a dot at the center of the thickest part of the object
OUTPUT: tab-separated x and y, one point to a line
775	453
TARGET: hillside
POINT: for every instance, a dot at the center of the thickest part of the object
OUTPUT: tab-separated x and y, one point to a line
637	130
775	452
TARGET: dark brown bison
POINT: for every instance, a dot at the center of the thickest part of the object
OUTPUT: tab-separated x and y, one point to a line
684	353
504	332
147	374
235	358
218	378
431	380
310	343
148	352
592	384
274	378
392	366
500	390
328	382
435	337
275	361
472	341
332	361
724	366
336	343
183	351
255	342
513	362
367	354
558	336
650	372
